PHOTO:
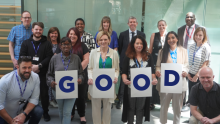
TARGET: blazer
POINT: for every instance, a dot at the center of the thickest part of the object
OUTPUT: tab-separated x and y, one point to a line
123	42
182	58
181	31
94	63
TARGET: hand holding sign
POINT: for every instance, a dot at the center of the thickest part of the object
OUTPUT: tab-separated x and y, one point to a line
158	74
184	74
154	82
79	81
53	83
115	80
90	82
125	80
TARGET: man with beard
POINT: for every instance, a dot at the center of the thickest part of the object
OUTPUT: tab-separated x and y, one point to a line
19	94
40	50
204	99
185	35
18	34
124	39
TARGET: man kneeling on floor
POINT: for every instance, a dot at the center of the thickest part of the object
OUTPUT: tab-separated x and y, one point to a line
19	94
205	99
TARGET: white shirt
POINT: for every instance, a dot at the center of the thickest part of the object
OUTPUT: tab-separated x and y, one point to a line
130	34
190	40
10	92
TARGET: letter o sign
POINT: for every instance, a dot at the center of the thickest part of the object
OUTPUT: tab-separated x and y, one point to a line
98	79
147	82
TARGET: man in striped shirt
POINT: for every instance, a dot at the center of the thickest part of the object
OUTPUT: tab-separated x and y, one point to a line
18	34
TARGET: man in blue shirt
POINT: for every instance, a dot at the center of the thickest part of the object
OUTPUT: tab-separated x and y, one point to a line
19	94
18	34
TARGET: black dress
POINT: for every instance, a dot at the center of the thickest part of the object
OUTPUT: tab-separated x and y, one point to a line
157	45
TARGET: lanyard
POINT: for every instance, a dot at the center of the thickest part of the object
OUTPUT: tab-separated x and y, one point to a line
22	93
37	48
191	32
195	51
138	64
103	62
65	68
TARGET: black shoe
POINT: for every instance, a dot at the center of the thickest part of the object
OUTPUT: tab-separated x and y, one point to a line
82	122
46	117
185	108
118	105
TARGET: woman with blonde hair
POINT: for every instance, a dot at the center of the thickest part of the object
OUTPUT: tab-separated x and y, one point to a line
157	41
102	57
106	26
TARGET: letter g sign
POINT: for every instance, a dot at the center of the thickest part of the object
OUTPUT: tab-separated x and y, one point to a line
71	84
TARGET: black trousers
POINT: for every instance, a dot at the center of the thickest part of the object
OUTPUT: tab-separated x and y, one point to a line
80	101
121	90
191	84
44	93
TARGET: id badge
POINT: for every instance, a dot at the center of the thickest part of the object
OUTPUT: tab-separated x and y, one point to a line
36	58
21	101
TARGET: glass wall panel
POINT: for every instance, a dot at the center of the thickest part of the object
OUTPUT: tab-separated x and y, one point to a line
174	12
62	14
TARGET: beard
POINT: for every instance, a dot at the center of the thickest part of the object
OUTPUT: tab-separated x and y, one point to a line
37	36
22	75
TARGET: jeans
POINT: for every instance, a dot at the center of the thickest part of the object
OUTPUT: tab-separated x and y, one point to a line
34	116
65	107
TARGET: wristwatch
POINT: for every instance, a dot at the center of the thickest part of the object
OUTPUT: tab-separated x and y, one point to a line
39	65
25	114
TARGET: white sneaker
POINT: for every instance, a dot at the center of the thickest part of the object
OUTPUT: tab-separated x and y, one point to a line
54	104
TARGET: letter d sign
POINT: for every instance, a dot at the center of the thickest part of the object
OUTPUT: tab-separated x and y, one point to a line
171	79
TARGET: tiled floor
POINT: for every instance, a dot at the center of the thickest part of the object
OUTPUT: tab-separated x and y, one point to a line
115	115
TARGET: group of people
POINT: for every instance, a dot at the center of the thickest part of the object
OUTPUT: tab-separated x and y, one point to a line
36	58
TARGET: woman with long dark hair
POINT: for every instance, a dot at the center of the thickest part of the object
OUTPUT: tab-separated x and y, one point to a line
137	56
82	51
172	52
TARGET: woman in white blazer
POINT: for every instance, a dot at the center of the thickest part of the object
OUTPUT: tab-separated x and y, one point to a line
102	57
172	52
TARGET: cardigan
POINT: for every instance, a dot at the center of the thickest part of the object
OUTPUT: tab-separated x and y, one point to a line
94	63
182	58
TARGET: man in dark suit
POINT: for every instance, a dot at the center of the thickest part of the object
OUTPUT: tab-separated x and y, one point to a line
124	39
186	32
185	35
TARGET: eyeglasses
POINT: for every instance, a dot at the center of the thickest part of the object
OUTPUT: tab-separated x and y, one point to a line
26	18
65	45
25	57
